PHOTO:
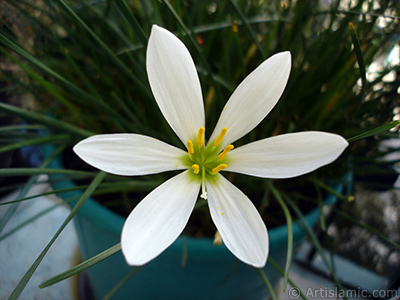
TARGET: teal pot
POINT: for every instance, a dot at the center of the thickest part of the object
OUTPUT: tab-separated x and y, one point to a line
191	268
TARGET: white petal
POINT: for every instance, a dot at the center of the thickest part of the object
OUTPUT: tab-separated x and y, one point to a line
129	154
158	220
175	84
238	221
287	155
254	98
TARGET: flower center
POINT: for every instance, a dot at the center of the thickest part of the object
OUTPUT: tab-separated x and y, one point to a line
207	161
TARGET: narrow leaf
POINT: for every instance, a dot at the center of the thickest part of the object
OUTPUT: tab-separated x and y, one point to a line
82	266
36	141
360	58
126	11
25	279
248	27
125	279
268	284
44	120
375	131
315	242
102	45
40	171
371	230
290	232
12	209
280	271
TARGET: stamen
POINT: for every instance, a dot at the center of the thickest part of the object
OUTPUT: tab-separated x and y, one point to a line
219	138
190	147
196	169
224	153
219	168
200	137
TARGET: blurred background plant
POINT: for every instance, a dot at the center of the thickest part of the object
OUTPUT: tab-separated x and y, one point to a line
70	69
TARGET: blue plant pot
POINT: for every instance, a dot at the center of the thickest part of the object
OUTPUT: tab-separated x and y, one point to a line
191	268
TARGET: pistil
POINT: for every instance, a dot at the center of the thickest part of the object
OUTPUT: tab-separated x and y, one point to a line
204	194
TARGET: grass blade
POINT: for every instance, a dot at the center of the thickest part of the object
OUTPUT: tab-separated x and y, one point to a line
125	279
44	120
50	87
40	171
82	266
248	27
375	131
315	242
360	58
126	11
280	271
105	48
33	218
268	284
290	232
35	141
24	281
371	230
11	210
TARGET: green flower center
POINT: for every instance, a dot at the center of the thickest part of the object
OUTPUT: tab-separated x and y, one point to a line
207	161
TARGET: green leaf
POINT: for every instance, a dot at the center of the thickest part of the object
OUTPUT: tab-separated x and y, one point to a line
44	120
375	131
268	284
98	101
371	230
280	271
248	27
40	171
331	190
82	266
315	242
126	11
290	232
125	279
25	279
37	141
11	210
103	46
33	218
360	57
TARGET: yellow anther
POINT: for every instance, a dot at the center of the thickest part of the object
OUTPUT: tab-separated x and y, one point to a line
219	168
190	147
196	169
224	153
219	138
200	137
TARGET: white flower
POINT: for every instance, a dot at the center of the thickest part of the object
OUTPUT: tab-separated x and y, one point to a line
158	220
